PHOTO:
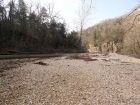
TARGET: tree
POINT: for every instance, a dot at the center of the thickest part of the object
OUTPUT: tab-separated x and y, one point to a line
52	15
22	14
28	30
72	40
83	17
136	16
1	10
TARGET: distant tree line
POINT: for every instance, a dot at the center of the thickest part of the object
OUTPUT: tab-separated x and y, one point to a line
33	28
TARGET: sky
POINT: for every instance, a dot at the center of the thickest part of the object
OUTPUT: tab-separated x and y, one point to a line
103	10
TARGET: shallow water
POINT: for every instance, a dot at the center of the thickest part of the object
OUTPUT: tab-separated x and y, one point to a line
22	56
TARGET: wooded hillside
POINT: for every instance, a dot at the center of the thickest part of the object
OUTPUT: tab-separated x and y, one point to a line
32	28
122	32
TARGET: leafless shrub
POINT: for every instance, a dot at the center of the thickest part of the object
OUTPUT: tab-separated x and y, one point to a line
81	57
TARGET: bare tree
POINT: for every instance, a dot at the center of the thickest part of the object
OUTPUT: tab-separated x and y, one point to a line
83	17
30	6
51	12
133	23
38	7
90	2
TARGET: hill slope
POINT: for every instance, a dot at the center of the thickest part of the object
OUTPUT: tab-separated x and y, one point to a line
115	35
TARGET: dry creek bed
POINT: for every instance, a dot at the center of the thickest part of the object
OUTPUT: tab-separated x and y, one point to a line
89	79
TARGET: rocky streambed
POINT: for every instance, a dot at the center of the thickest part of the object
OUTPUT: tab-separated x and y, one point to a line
87	79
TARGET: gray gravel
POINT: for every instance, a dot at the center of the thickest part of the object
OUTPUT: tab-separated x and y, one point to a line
111	80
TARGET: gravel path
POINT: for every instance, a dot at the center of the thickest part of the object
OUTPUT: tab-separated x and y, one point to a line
110	80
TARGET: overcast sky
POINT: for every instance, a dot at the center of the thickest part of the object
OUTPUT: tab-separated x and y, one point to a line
104	9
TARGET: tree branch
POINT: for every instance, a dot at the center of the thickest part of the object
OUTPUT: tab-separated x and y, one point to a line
136	8
132	24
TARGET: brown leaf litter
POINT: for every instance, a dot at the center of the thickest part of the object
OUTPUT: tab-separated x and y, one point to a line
82	57
41	63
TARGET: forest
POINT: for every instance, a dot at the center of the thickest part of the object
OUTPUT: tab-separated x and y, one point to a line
34	29
123	32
